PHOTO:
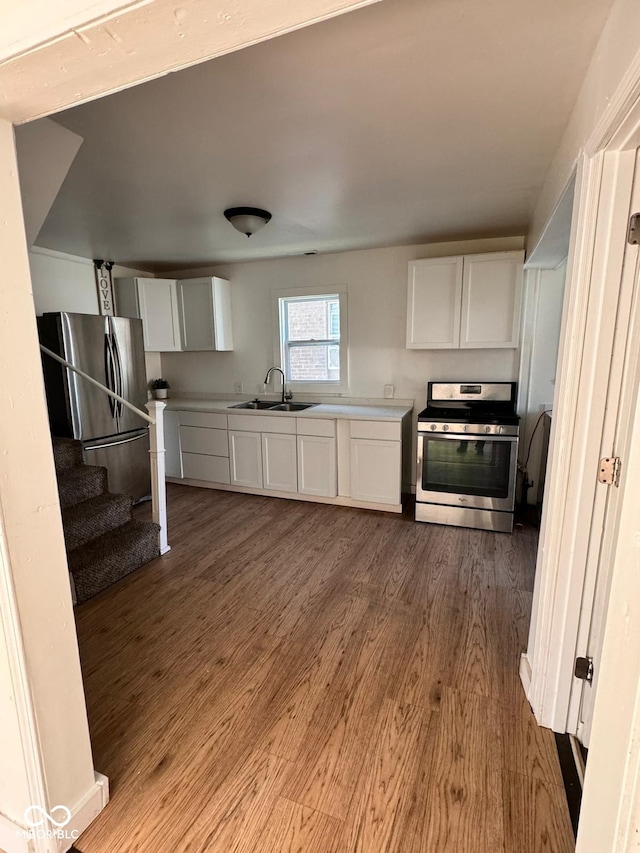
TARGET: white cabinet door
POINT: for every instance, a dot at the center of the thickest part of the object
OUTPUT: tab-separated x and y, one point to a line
158	302
205	313
433	303
245	451
196	314
279	468
376	468
317	474
491	294
173	455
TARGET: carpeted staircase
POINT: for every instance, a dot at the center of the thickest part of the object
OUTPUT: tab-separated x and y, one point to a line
104	542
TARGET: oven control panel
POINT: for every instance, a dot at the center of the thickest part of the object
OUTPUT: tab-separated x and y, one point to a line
468	429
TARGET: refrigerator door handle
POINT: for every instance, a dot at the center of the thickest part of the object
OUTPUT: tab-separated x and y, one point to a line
119	374
109	370
115	443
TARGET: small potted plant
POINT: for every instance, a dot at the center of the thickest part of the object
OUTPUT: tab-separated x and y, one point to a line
160	388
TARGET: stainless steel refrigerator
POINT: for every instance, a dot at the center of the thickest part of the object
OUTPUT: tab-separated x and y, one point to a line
111	350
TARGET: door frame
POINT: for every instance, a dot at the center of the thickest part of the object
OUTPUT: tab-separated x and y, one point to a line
620	404
594	273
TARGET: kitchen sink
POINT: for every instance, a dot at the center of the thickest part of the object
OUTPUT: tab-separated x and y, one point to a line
255	404
292	407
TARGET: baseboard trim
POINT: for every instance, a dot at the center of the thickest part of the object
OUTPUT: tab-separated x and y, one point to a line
87	809
570	777
525	673
16	838
290	496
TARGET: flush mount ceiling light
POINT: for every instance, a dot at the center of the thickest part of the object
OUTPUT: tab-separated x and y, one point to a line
247	220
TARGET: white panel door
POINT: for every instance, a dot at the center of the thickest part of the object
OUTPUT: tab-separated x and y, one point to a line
491	294
317	468
172	456
245	451
279	467
433	303
376	470
159	314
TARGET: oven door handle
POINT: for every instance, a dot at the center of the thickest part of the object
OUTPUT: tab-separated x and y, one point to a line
468	436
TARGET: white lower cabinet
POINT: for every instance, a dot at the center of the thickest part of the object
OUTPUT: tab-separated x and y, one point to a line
245	456
317	474
376	467
289	455
279	469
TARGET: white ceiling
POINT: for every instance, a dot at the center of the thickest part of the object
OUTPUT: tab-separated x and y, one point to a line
403	122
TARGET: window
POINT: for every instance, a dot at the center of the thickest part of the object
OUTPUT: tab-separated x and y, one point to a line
311	326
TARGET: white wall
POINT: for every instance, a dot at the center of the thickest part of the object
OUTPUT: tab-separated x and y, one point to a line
64	282
616	50
42	176
544	301
377	298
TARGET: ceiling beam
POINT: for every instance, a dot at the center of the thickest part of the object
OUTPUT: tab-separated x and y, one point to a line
79	57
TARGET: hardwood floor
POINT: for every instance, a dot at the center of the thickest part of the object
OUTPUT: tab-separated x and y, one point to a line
302	677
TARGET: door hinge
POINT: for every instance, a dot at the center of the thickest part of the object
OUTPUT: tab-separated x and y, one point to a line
584	669
633	234
609	470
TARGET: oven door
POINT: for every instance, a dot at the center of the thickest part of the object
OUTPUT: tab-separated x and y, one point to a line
476	471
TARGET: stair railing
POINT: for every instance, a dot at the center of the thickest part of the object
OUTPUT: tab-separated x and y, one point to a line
155	419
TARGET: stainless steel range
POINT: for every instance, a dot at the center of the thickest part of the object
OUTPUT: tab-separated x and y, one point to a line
467	455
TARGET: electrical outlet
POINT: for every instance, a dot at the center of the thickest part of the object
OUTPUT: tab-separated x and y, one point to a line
238	387
389	391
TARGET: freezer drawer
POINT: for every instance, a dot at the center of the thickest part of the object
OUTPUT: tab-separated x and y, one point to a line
126	458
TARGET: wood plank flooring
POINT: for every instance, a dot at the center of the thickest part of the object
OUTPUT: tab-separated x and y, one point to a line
301	677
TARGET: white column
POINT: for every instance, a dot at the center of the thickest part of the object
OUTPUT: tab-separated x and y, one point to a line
45	751
158	484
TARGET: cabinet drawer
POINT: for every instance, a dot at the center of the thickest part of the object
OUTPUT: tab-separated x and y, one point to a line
384	430
211	442
263	423
212	469
315	426
203	419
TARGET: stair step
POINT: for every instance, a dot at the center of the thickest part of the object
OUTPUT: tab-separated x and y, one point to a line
105	560
81	483
67	453
94	517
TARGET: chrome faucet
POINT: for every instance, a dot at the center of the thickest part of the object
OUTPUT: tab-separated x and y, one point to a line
286	395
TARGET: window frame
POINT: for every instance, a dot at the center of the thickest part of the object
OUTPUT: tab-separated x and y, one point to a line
280	347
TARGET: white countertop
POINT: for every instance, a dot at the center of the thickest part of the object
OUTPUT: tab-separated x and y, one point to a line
321	410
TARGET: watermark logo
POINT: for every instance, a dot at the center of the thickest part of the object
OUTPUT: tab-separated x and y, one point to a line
45	825
36	816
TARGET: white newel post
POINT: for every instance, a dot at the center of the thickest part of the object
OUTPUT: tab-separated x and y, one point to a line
158	485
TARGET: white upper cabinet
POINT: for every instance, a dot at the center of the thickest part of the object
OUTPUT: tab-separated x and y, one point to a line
433	306
155	302
205	314
491	294
194	314
467	302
